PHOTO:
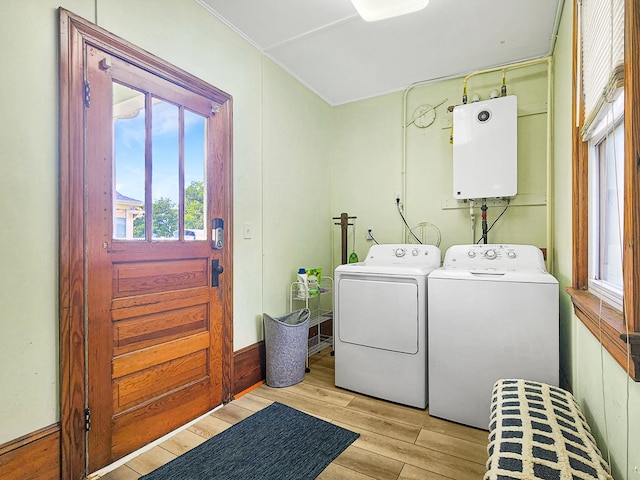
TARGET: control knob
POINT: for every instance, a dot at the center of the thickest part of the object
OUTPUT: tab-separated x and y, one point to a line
511	254
490	254
400	252
471	254
415	252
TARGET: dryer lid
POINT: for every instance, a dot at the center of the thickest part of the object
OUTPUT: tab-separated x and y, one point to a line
396	259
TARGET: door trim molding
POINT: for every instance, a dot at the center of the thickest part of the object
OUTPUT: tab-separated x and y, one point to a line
75	34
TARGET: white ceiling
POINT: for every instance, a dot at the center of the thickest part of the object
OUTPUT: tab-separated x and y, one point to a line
328	47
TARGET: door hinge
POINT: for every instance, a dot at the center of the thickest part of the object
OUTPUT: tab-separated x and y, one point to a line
87	94
87	419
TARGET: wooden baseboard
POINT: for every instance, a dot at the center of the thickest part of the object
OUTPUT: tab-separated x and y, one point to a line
249	367
34	456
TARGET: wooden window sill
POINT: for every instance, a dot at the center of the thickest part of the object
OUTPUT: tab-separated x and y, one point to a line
607	325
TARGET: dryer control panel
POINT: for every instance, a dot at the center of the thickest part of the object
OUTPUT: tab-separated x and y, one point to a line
403	254
494	256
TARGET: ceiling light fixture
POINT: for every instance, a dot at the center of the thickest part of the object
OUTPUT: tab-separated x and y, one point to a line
372	10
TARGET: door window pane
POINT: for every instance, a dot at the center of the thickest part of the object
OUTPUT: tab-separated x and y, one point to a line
128	163
165	168
164	151
194	175
120	228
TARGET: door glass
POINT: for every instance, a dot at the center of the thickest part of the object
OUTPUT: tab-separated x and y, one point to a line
194	175
165	168
128	163
175	163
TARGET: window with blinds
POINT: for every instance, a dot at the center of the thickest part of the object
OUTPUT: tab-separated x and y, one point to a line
602	75
602	35
606	182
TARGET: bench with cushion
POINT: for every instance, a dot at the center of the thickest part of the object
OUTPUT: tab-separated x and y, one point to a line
537	431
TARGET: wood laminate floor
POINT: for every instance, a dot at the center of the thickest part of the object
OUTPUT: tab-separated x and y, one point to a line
395	443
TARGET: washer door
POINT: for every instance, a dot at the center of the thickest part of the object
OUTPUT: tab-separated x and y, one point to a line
379	312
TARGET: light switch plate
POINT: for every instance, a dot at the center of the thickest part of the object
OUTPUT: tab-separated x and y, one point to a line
247	230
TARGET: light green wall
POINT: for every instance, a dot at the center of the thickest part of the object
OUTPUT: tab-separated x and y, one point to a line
281	178
609	399
296	215
368	166
297	163
28	195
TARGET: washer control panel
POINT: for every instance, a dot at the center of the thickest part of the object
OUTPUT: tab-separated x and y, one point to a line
403	254
494	256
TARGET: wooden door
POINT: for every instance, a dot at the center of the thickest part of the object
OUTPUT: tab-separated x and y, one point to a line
154	319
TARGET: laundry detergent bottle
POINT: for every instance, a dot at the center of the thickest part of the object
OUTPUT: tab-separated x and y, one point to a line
303	284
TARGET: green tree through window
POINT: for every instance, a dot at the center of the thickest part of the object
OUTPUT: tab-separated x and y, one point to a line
165	218
165	214
193	206
138	226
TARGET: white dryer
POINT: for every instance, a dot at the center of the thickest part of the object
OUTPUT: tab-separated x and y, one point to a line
380	331
493	313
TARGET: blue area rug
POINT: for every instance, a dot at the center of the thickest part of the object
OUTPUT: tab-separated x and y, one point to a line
276	443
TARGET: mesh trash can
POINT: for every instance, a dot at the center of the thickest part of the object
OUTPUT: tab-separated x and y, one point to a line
285	340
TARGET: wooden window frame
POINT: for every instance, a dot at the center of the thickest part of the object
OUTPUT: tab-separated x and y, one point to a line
604	322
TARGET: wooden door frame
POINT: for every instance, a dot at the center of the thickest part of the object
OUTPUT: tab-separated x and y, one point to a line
75	33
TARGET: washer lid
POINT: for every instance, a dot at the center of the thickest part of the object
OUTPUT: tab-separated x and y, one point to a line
489	274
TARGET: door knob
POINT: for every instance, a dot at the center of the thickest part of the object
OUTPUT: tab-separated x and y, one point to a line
216	270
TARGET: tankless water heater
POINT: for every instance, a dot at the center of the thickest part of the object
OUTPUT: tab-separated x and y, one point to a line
485	149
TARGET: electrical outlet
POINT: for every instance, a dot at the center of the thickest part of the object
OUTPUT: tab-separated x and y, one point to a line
369	233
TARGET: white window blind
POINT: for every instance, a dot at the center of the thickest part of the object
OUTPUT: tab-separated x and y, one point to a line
602	31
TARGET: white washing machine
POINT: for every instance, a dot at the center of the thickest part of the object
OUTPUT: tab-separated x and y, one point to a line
380	331
493	313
